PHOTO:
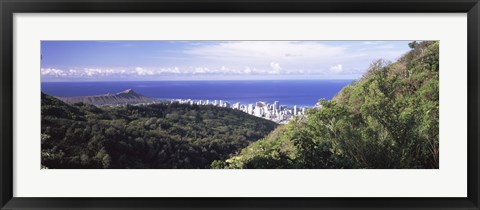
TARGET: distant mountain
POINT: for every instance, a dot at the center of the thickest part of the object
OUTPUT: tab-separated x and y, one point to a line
125	97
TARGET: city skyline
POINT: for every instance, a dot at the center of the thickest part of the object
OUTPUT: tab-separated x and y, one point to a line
75	61
275	111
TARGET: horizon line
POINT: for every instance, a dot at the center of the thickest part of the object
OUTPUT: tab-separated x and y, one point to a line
180	80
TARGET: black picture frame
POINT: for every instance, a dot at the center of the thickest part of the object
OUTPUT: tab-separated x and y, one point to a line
10	7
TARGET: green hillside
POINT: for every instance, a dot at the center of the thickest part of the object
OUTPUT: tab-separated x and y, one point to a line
153	136
387	119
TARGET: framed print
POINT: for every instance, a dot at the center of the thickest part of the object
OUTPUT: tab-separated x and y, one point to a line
239	105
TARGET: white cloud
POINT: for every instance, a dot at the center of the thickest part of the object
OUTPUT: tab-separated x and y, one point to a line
91	71
142	72
175	70
200	70
337	68
373	42
153	71
386	47
255	51
275	68
237	58
266	58
53	72
312	56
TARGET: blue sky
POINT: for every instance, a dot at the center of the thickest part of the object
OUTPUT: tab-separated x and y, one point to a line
211	60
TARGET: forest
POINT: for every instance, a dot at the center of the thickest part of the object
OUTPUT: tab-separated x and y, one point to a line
145	136
388	119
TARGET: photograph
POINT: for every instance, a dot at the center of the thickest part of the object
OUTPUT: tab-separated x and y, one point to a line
239	104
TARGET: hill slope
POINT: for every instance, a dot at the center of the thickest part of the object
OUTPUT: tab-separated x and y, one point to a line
121	98
387	119
147	136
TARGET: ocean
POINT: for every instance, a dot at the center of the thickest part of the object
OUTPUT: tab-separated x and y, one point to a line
287	92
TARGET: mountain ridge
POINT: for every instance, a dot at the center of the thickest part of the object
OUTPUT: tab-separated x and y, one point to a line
128	96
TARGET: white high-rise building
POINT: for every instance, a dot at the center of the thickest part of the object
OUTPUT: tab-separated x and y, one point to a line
289	112
258	112
268	115
260	104
250	109
244	108
236	105
295	110
276	105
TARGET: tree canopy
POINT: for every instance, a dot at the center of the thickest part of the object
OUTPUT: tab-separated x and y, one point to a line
145	136
387	119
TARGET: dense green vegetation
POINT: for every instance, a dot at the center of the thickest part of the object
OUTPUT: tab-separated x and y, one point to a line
153	136
387	119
